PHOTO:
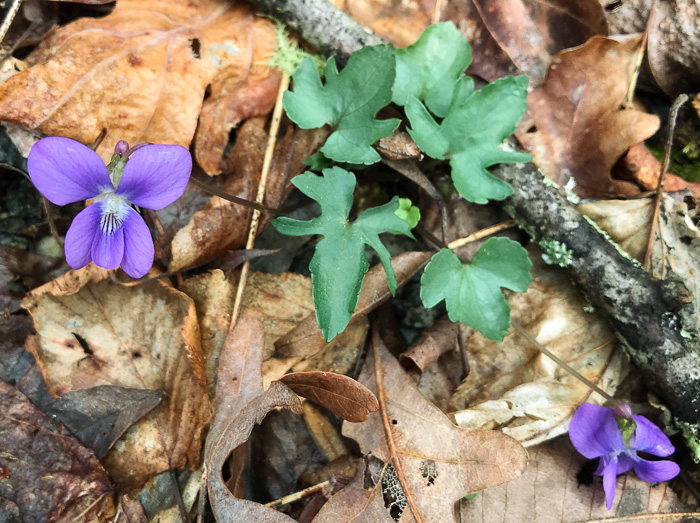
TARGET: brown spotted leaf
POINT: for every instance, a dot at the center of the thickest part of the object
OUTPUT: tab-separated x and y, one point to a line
342	395
143	337
433	462
141	72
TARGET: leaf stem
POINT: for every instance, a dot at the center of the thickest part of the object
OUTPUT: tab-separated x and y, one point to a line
561	363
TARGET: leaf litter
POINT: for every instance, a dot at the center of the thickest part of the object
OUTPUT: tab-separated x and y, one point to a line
208	59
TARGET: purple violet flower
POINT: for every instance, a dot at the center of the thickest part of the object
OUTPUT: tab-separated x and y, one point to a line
596	432
109	232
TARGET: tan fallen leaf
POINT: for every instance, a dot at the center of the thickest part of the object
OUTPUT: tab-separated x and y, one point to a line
143	337
240	404
433	462
141	72
438	339
574	127
342	395
306	338
47	475
513	386
548	492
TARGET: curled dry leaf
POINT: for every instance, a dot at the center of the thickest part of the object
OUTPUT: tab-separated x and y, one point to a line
240	405
47	475
433	462
551	475
438	339
143	337
574	127
342	395
674	37
514	386
141	73
306	338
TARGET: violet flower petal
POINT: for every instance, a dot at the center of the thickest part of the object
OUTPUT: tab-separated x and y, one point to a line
650	438
156	175
594	431
66	171
610	481
653	471
138	245
108	247
625	462
80	236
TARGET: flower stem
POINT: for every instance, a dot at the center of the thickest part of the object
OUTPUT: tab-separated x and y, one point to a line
231	198
561	363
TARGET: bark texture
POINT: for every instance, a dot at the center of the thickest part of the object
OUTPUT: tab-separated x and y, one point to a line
643	311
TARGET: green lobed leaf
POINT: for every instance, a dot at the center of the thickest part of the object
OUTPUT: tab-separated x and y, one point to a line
339	263
472	291
408	212
472	132
430	67
348	102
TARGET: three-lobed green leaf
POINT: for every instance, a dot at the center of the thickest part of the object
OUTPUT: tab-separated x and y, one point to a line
339	263
472	291
430	67
348	102
471	133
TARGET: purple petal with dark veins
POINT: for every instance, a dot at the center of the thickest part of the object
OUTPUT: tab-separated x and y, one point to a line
138	245
108	247
594	431
81	235
66	171
156	175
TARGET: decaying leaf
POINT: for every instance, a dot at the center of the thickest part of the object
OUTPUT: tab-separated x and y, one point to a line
549	490
574	127
342	395
47	475
240	405
526	393
439	338
306	338
141	73
143	337
435	463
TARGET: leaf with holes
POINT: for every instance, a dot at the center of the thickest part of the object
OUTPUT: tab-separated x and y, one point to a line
348	102
429	68
472	132
339	263
472	290
431	463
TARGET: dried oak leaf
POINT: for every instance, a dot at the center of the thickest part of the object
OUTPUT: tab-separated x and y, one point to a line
141	72
435	463
143	337
240	405
525	393
574	127
47	475
342	395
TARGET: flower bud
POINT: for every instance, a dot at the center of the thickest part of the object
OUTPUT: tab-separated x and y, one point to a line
121	148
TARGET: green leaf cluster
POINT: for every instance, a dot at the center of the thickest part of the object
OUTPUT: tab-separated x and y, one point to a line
472	291
339	262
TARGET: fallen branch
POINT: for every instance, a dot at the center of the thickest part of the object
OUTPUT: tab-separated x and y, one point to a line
642	310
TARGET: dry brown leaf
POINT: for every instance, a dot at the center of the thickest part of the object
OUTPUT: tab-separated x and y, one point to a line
574	127
512	385
240	404
141	73
143	337
438	339
71	281
435	463
674	37
342	395
548	492
306	338
642	167
47	475
324	433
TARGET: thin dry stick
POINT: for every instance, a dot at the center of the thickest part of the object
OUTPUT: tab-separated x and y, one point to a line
437	12
267	160
483	233
298	495
7	22
672	118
